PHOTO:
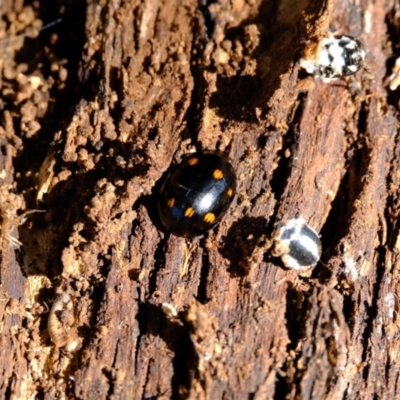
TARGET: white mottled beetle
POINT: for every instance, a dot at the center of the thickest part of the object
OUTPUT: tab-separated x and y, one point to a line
333	56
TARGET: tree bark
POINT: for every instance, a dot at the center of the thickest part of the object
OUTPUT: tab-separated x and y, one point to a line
97	300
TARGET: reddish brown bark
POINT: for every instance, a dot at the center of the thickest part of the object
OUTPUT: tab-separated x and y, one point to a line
96	108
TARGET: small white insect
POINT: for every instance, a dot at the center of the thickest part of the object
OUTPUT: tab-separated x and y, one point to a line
298	245
333	57
61	320
169	310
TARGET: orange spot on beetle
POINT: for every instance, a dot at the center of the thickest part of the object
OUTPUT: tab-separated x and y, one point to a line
193	161
189	212
209	218
171	202
218	174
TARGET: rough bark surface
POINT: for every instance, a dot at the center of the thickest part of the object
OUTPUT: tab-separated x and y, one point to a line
94	110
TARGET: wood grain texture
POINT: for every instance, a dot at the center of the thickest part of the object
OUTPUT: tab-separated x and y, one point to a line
94	111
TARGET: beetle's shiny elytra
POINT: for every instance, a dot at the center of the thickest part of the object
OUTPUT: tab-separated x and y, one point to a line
196	195
298	245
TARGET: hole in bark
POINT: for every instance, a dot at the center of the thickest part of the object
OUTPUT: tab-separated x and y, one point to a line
296	306
282	387
262	141
109	376
40	395
153	133
3	149
205	269
362	118
349	307
208	16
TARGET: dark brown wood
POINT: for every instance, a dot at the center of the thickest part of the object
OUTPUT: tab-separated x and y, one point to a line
93	112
